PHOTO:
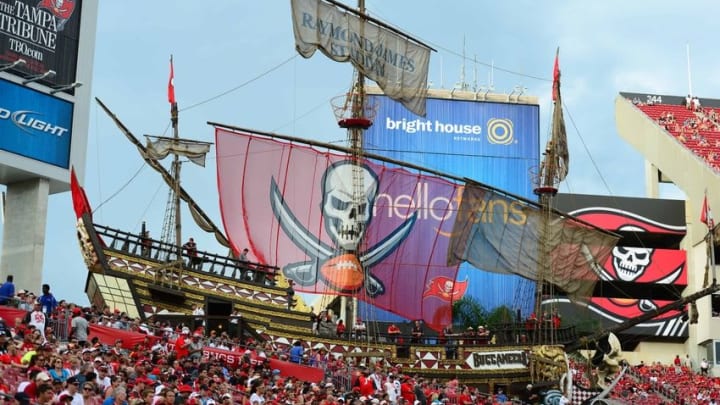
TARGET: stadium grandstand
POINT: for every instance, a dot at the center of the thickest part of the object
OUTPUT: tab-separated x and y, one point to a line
125	359
679	137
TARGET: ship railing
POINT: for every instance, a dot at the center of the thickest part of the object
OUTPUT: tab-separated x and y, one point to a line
233	325
203	262
507	334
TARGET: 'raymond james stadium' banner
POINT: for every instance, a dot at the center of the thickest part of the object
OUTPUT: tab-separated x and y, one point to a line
298	208
398	65
45	33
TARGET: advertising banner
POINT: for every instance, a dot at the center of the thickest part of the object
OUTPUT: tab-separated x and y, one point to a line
108	336
640	266
299	208
45	34
35	125
500	360
493	143
287	369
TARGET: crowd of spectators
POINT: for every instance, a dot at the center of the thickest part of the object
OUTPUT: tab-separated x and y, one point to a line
681	383
693	125
168	367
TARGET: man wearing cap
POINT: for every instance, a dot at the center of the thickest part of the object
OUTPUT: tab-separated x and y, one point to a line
64	398
21	297
38	319
73	391
161	347
184	391
182	346
37	378
406	390
79	327
528	395
195	347
392	388
103	379
139	385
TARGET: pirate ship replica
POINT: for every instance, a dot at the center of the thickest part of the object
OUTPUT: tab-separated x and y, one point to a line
312	214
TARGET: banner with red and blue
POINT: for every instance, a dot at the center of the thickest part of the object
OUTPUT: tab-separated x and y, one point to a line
339	226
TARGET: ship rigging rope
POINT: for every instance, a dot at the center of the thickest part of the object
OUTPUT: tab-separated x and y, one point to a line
127	183
241	85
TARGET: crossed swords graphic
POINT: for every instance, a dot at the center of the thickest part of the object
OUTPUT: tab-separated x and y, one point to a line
306	273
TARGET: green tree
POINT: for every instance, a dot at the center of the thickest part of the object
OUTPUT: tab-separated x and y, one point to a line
468	311
501	315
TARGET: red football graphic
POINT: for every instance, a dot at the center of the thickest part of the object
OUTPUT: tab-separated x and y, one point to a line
343	273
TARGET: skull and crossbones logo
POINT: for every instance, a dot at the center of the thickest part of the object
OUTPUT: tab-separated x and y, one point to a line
630	263
349	190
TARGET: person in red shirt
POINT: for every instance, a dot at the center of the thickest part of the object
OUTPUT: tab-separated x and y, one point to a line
12	356
36	379
464	398
556	318
366	384
340	328
182	345
406	390
394	333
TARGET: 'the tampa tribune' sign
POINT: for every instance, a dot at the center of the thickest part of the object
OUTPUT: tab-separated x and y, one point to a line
44	33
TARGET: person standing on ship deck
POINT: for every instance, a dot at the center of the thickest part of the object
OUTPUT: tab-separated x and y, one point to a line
191	251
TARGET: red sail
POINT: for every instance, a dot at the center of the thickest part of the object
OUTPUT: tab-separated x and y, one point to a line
291	205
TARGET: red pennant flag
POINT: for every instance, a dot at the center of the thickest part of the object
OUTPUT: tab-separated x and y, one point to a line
81	205
706	215
556	76
171	84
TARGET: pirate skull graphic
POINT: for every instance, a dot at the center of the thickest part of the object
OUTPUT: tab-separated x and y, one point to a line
349	190
630	263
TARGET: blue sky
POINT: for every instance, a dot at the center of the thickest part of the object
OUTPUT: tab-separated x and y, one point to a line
220	45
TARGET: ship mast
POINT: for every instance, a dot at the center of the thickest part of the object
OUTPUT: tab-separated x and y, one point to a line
176	165
397	62
553	170
157	149
351	115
